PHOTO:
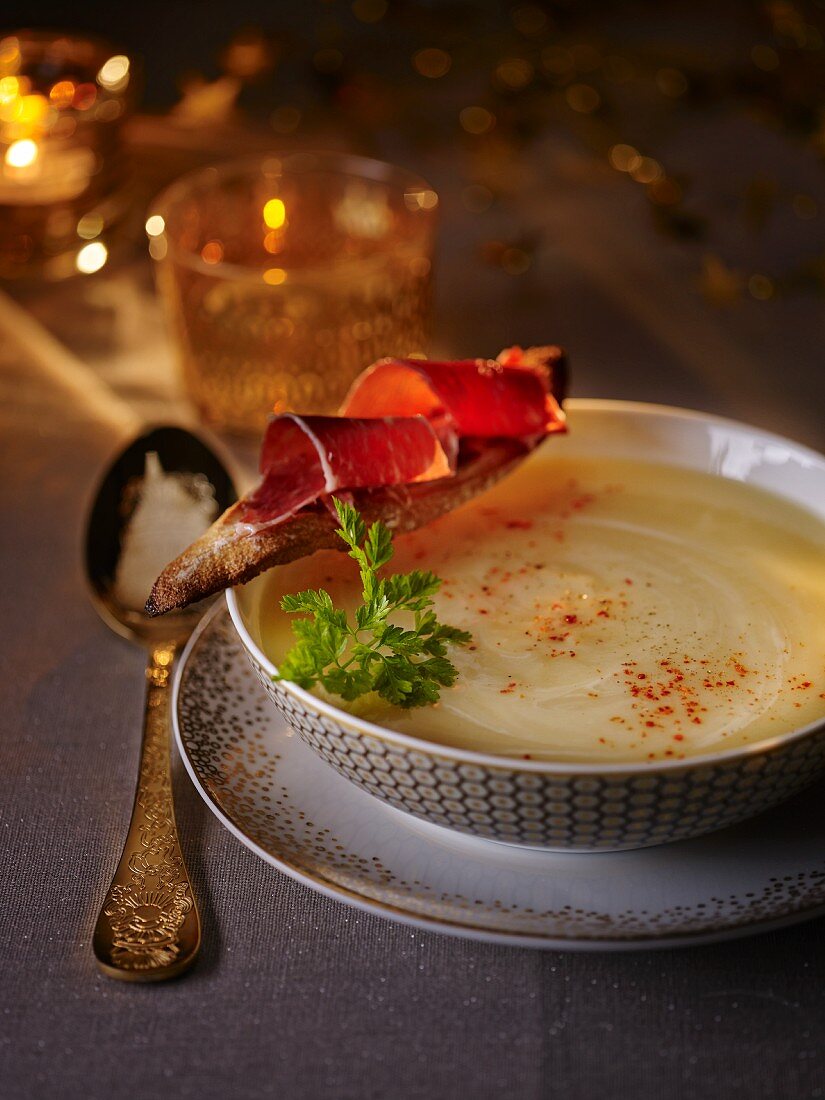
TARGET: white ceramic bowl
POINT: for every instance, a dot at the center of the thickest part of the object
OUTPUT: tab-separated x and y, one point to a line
583	807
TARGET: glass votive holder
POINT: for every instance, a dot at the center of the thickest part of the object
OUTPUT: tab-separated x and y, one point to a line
63	100
284	277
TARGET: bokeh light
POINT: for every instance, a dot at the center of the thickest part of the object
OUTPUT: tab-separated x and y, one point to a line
62	94
622	156
155	225
671	82
212	252
10	53
9	89
582	98
274	213
421	200
273	241
665	192
761	287
529	19
20	154
432	63
645	169
90	226
369	11
515	261
114	73
765	58
31	110
91	257
477	120
514	73
158	247
84	97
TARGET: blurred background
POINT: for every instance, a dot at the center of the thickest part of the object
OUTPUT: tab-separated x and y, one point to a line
640	183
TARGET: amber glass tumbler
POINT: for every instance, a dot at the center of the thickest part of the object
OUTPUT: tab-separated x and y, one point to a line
283	277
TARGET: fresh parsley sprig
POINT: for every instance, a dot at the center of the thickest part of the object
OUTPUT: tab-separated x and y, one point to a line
406	666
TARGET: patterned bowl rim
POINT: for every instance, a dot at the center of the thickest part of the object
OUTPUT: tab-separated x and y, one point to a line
548	767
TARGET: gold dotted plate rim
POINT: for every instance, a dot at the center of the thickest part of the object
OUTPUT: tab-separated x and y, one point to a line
272	792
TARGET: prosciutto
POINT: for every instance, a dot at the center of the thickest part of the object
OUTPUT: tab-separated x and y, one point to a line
476	397
403	421
415	439
306	457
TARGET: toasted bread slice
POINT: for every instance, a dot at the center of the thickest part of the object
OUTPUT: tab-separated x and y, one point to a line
223	557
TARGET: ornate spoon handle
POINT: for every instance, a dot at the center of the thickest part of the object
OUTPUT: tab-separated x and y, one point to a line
149	928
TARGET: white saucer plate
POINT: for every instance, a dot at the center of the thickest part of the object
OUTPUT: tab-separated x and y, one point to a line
294	811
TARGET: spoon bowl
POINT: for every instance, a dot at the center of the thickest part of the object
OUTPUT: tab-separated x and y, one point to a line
148	928
179	451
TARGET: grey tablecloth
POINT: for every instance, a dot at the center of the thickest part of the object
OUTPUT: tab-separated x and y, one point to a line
295	995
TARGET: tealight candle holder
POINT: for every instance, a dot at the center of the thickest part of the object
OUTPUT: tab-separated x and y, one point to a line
63	100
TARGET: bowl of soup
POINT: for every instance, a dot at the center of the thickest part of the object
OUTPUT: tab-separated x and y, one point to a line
646	597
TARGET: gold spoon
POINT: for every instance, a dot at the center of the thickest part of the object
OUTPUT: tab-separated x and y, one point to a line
148	928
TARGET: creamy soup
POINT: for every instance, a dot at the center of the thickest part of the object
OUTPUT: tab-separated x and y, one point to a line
620	612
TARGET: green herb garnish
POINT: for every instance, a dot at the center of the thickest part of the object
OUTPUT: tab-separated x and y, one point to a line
407	667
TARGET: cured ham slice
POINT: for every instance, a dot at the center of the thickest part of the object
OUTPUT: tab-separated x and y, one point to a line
415	439
478	397
303	458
